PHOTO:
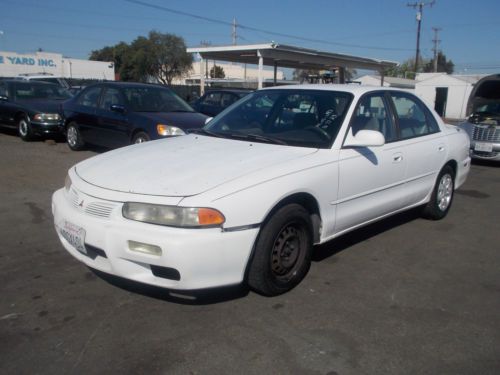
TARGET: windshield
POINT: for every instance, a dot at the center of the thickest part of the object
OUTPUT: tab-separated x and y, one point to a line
489	109
155	99
306	118
34	90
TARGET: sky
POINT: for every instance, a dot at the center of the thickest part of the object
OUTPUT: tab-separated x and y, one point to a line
384	29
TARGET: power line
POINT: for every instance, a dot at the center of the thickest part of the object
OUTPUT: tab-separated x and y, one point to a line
250	28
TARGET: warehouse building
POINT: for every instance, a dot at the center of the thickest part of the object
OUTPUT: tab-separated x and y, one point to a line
13	64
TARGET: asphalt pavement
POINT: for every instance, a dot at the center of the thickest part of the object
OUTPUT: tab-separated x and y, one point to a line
402	296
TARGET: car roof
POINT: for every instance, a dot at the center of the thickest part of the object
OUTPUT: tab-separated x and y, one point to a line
30	82
126	84
351	88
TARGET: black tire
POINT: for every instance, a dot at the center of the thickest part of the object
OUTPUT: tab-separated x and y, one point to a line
74	138
24	129
442	195
140	137
282	254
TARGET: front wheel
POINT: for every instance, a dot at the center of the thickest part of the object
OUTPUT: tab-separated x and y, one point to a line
74	138
24	129
282	254
442	195
140	137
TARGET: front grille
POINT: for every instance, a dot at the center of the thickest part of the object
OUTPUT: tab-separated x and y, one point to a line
90	205
483	154
486	133
99	209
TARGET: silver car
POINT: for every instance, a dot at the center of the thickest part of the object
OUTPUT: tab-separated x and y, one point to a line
483	127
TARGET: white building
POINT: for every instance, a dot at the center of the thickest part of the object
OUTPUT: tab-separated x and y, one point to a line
13	64
232	72
447	94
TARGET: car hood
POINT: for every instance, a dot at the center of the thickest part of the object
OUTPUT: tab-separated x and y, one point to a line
183	120
183	166
42	105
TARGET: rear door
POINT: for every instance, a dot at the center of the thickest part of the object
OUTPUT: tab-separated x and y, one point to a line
85	113
371	179
113	124
423	142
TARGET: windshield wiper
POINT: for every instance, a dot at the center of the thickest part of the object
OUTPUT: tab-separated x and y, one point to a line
206	132
256	137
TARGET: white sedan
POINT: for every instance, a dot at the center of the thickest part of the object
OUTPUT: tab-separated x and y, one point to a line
246	198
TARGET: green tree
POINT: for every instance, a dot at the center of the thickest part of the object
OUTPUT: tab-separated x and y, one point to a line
406	69
443	65
217	72
161	57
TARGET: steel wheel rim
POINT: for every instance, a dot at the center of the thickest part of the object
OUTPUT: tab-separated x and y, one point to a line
288	252
23	127
72	136
445	192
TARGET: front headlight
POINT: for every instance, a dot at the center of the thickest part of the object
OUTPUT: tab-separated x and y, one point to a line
168	130
47	117
187	217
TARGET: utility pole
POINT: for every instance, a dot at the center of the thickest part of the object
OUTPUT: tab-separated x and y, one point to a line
435	49
233	33
419	5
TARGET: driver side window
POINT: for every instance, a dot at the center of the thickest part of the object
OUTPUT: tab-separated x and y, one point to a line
371	114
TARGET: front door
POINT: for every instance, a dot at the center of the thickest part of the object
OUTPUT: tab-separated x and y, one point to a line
371	179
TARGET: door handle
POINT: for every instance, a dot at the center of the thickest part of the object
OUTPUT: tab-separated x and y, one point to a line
441	148
396	158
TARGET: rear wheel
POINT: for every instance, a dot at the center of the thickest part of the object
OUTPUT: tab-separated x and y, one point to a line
140	137
74	138
283	250
24	129
442	195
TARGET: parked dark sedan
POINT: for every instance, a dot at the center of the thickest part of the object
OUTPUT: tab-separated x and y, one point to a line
114	114
34	108
215	101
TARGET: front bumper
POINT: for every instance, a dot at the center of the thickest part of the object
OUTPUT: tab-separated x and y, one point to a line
491	152
47	128
202	258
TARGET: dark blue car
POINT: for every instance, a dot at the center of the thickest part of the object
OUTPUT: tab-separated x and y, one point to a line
114	114
33	108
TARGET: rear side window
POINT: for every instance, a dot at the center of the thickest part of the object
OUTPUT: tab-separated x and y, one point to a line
413	118
89	97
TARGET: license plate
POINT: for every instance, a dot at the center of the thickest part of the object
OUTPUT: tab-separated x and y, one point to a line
483	146
74	234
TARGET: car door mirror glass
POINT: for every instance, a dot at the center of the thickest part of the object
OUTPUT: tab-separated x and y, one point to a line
365	138
117	108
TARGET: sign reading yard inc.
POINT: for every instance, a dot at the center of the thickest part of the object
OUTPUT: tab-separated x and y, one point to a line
16	60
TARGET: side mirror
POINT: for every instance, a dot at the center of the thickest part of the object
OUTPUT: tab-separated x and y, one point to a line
118	108
208	120
364	138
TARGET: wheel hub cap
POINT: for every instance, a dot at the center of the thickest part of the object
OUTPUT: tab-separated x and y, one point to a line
445	192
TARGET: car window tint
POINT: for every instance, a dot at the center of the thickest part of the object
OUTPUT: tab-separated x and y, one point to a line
227	99
371	114
212	98
111	97
89	97
3	89
154	99
414	120
300	117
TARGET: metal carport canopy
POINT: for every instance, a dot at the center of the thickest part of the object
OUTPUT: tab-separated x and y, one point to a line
286	56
